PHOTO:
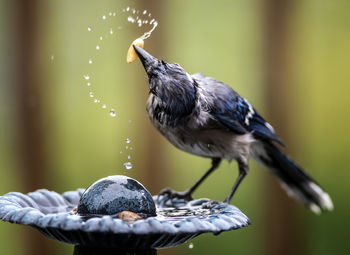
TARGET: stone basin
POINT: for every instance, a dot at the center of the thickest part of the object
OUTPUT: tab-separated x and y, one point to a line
175	222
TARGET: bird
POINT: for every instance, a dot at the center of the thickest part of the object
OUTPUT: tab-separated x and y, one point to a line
205	117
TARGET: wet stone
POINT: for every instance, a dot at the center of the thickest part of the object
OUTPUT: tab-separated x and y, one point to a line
115	194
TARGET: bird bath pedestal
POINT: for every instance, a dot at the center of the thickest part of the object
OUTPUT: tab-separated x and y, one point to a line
115	215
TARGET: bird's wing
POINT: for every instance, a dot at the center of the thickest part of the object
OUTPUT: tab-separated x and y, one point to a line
233	111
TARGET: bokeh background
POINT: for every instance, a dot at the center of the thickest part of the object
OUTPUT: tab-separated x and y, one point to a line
290	59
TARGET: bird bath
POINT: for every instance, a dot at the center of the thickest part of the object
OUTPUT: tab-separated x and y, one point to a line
96	221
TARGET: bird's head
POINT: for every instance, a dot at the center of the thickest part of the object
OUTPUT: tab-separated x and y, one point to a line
169	82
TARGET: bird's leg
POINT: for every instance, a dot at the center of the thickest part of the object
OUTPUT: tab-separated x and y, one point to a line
243	170
187	195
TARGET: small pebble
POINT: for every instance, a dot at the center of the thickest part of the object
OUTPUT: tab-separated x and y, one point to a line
128	216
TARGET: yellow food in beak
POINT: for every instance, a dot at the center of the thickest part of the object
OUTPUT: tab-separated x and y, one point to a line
131	55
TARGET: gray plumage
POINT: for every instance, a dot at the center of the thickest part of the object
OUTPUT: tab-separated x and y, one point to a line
207	118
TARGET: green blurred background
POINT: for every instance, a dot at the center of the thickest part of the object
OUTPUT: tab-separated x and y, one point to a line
290	59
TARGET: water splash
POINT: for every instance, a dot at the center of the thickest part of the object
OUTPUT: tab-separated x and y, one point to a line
191	246
139	22
130	15
128	140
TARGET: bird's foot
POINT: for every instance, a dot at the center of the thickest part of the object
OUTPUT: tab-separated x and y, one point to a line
174	198
210	204
186	195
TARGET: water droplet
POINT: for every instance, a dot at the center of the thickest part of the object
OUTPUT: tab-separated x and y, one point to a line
104	106
144	12
101	38
149	15
128	165
128	140
139	22
86	77
133	11
126	147
52	57
88	84
131	19
111	31
110	14
120	152
96	101
90	61
129	157
190	246
114	14
131	148
127	8
104	17
97	47
89	29
112	113
91	94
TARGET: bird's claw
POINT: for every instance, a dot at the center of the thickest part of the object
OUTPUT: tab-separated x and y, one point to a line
167	194
175	194
210	204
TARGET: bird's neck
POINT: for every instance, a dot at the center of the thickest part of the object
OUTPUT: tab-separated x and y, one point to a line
172	112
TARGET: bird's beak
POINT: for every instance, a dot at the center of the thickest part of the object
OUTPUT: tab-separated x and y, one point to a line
146	59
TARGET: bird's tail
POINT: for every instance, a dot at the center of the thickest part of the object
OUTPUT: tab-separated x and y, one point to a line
293	179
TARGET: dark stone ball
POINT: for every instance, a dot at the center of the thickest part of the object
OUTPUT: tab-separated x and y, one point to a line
114	194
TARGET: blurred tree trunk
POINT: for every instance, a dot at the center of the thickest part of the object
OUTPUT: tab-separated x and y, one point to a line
27	93
154	165
283	231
